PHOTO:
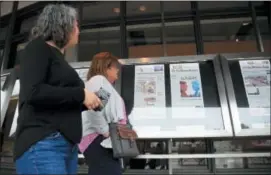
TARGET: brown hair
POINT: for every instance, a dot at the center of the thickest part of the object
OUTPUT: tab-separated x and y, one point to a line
100	63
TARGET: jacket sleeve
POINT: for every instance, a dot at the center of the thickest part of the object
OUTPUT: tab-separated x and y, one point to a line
93	85
34	68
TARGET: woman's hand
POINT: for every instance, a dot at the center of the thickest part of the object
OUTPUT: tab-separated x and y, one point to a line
91	100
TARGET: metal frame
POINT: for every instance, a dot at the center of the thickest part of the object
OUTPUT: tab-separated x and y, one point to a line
163	28
123	30
231	94
257	31
197	28
228	132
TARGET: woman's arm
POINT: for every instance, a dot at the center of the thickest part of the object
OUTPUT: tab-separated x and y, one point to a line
34	68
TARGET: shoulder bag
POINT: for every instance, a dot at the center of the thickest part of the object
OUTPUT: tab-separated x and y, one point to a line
123	137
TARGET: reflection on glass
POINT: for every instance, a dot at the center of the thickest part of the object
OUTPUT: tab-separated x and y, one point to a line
27	24
93	41
144	40
172	7
222	5
230	35
92	10
189	147
242	146
180	34
142	8
3	32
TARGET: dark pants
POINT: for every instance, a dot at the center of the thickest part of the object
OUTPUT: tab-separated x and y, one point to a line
100	160
52	155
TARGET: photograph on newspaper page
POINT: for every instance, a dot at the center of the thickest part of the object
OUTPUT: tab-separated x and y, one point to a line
186	91
149	91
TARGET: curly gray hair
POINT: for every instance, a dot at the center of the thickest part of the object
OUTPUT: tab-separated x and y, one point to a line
55	23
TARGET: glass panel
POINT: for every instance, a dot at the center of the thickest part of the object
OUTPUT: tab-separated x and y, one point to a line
144	40
176	6
23	4
3	33
27	24
242	146
194	98
251	81
189	165
180	38
100	10
213	5
93	41
6	7
189	101
142	8
231	35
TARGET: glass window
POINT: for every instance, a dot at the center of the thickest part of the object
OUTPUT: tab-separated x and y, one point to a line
27	24
144	40
228	35
188	147
23	4
239	146
180	38
100	10
215	5
265	32
6	7
176	6
142	8
3	33
93	41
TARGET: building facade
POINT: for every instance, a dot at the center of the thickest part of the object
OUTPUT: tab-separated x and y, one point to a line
148	29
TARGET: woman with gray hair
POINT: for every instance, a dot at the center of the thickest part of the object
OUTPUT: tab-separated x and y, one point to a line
52	97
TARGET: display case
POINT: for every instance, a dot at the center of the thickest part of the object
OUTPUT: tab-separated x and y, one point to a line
178	102
176	97
247	80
